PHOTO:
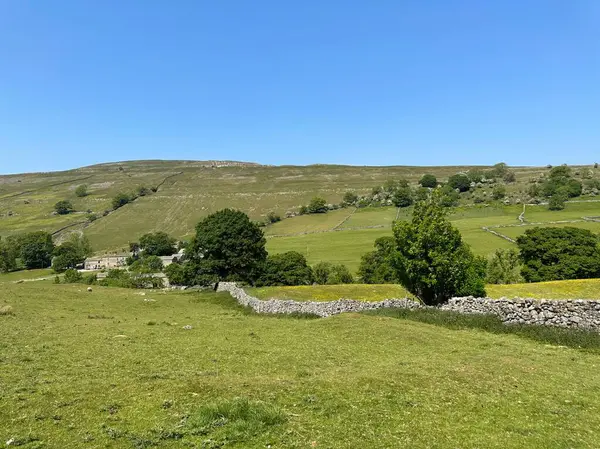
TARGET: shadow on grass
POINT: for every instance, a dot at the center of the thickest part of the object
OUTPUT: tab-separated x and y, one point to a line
225	300
572	338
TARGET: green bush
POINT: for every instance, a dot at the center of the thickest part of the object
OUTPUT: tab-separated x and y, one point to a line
81	190
120	200
158	244
499	192
460	181
288	268
72	276
428	180
321	272
376	266
402	197
340	274
504	267
317	205
350	198
63	207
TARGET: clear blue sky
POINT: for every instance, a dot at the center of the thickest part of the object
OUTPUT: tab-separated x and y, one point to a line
297	82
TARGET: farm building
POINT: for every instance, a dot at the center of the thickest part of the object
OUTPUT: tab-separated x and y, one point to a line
105	262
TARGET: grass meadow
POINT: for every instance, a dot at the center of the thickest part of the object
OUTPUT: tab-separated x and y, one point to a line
113	368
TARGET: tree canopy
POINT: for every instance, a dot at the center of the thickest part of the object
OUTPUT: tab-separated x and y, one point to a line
288	268
376	266
157	244
35	249
227	246
459	181
431	260
428	180
559	253
63	207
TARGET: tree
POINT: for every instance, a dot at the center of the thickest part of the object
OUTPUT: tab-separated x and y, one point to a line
557	201
560	180
72	276
498	171
9	251
402	197
459	181
340	274
147	265
499	192
227	246
288	268
143	191
317	205
63	207
376	266
559	253
81	191
176	274
428	180
158	244
66	256
476	175
431	260
504	267
36	249
120	200
350	198
421	193
321	272
82	243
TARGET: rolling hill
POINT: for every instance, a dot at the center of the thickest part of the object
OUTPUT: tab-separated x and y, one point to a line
185	191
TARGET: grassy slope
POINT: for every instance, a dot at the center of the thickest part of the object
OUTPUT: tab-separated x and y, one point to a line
88	370
197	190
574	289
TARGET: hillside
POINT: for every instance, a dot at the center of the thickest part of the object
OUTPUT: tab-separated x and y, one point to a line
188	190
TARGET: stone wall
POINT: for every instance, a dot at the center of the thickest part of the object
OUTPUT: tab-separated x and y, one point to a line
576	313
320	308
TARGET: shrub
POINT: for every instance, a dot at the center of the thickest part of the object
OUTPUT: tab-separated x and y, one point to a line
288	268
317	205
91	217
349	199
557	202
272	217
595	164
303	210
402	197
476	175
499	192
376	266
428	180
431	260
72	276
559	253
510	177
81	190
120	200
448	197
460	181
340	274
143	191
504	267
63	207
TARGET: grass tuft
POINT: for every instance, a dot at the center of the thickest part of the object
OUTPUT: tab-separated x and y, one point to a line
234	420
572	338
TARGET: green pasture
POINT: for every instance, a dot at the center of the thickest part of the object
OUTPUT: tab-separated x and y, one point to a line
361	292
571	289
514	232
108	369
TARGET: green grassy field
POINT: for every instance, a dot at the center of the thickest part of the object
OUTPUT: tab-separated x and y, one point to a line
108	369
573	289
363	292
26	274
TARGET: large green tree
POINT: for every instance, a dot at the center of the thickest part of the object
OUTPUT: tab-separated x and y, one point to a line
431	260
158	244
227	247
559	253
9	251
36	249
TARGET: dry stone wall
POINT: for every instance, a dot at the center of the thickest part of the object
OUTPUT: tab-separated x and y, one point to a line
576	313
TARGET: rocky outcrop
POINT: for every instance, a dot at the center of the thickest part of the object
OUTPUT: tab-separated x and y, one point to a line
575	313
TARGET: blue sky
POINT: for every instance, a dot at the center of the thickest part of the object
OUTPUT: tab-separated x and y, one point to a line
434	82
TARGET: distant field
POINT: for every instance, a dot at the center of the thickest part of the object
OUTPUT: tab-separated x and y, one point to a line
572	289
25	274
363	292
108	369
516	231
